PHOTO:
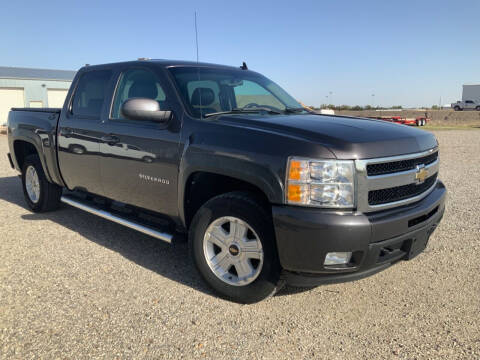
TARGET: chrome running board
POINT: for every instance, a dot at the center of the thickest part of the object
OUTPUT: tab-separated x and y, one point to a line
117	219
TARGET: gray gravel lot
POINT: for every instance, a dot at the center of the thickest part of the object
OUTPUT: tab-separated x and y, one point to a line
76	286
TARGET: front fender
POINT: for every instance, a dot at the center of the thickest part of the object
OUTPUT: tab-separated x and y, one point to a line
241	167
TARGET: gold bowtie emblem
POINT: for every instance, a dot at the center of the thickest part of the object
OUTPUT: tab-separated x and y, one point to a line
421	174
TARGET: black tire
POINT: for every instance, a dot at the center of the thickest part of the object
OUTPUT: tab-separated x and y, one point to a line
49	198
241	205
457	108
417	122
477	108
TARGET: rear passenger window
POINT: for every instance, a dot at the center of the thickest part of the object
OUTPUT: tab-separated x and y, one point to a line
90	93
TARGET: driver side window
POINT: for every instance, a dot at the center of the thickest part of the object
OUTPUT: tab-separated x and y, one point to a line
251	92
137	83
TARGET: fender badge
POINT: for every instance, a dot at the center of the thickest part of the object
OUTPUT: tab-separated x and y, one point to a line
154	179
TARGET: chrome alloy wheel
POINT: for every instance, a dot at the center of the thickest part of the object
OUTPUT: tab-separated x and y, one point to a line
32	184
233	251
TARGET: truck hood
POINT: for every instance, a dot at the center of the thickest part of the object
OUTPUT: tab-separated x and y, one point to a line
345	137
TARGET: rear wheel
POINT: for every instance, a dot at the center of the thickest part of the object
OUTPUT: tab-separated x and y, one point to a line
40	194
456	108
477	108
232	244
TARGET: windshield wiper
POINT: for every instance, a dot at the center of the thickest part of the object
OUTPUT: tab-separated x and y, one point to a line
292	110
245	111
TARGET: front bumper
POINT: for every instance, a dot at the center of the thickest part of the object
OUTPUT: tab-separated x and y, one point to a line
377	240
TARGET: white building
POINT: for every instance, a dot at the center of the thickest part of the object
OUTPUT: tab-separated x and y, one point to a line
471	92
23	87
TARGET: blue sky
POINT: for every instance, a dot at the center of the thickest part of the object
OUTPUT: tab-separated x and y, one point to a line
409	53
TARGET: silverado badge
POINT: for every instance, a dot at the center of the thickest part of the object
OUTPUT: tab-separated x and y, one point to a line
421	174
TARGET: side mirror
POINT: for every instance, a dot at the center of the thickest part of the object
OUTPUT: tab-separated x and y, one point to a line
144	109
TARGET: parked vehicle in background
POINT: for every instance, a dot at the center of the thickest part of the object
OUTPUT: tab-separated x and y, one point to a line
268	192
466	105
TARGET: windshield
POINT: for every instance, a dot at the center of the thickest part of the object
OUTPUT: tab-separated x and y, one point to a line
215	90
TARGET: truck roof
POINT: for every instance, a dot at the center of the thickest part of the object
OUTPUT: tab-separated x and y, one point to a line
167	63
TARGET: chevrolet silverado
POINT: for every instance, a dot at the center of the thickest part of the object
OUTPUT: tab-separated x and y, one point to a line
267	192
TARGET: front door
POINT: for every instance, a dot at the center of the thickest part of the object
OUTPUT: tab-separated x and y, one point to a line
140	159
80	132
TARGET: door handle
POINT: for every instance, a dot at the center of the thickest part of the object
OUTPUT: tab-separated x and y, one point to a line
110	139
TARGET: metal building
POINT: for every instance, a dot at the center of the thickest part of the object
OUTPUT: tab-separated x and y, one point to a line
24	87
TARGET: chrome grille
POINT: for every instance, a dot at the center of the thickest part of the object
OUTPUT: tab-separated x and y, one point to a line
389	182
384	196
401	165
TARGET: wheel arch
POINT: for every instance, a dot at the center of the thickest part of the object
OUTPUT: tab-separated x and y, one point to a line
201	186
23	148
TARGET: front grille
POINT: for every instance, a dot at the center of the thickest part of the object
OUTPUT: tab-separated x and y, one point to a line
401	165
384	196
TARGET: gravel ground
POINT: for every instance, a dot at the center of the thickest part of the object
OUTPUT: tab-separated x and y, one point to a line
76	286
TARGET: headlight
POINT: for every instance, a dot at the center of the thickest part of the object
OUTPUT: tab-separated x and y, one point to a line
321	183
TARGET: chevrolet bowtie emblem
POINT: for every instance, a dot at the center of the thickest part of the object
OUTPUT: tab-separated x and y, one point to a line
421	174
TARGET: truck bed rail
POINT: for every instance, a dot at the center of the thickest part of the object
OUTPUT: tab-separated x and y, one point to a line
49	110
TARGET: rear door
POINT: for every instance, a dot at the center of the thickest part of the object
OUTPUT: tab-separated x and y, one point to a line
56	97
140	162
80	131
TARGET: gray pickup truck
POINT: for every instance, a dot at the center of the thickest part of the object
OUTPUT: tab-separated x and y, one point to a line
466	105
267	192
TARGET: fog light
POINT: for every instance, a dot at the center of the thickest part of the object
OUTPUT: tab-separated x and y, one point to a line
337	258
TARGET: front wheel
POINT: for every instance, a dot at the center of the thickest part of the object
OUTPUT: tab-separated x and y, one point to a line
40	194
477	108
232	243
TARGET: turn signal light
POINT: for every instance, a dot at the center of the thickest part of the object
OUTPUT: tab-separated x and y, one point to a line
298	170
